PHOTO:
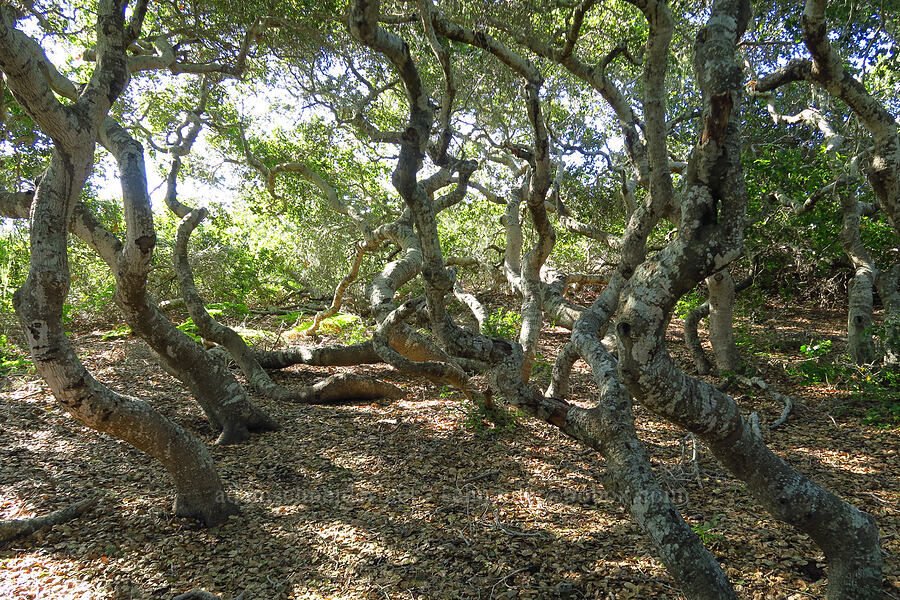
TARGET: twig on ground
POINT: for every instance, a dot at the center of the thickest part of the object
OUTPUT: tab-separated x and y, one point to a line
14	528
507	577
695	456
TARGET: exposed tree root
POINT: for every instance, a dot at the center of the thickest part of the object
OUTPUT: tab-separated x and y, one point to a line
14	528
762	385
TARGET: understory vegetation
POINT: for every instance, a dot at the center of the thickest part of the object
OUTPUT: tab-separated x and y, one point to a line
413	299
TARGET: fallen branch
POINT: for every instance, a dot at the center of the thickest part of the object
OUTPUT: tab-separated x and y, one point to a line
344	387
14	528
324	356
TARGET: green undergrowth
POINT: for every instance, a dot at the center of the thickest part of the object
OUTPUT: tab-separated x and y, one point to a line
347	327
12	359
249	334
484	421
874	390
707	533
503	323
877	396
871	392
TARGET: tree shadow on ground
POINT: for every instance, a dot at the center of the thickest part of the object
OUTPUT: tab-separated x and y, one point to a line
378	500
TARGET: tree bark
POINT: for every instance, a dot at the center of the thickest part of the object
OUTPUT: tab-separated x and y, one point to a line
721	320
216	390
859	291
632	479
331	389
692	338
709	237
888	283
827	71
39	302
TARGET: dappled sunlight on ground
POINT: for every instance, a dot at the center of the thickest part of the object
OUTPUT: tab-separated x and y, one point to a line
377	500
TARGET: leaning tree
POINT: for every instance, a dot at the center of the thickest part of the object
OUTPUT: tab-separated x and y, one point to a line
54	207
636	136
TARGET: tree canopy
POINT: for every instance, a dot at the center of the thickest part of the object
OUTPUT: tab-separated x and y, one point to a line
399	160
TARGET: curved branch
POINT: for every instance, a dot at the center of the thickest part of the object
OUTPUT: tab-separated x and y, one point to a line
339	291
334	388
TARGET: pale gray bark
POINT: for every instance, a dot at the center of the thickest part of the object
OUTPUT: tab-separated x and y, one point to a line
598	79
424	246
512	256
721	320
692	338
471	302
39	302
213	387
859	291
680	548
216	390
608	427
536	257
888	283
401	339
178	354
527	277
330	389
709	237
562	372
560	311
827	71
324	356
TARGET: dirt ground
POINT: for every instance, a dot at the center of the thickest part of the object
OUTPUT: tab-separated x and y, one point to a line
404	500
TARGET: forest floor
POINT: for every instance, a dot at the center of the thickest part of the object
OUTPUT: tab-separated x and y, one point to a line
413	499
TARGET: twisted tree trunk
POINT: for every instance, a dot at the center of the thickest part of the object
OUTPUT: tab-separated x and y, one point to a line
888	283
39	302
709	237
725	320
826	70
336	388
609	427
